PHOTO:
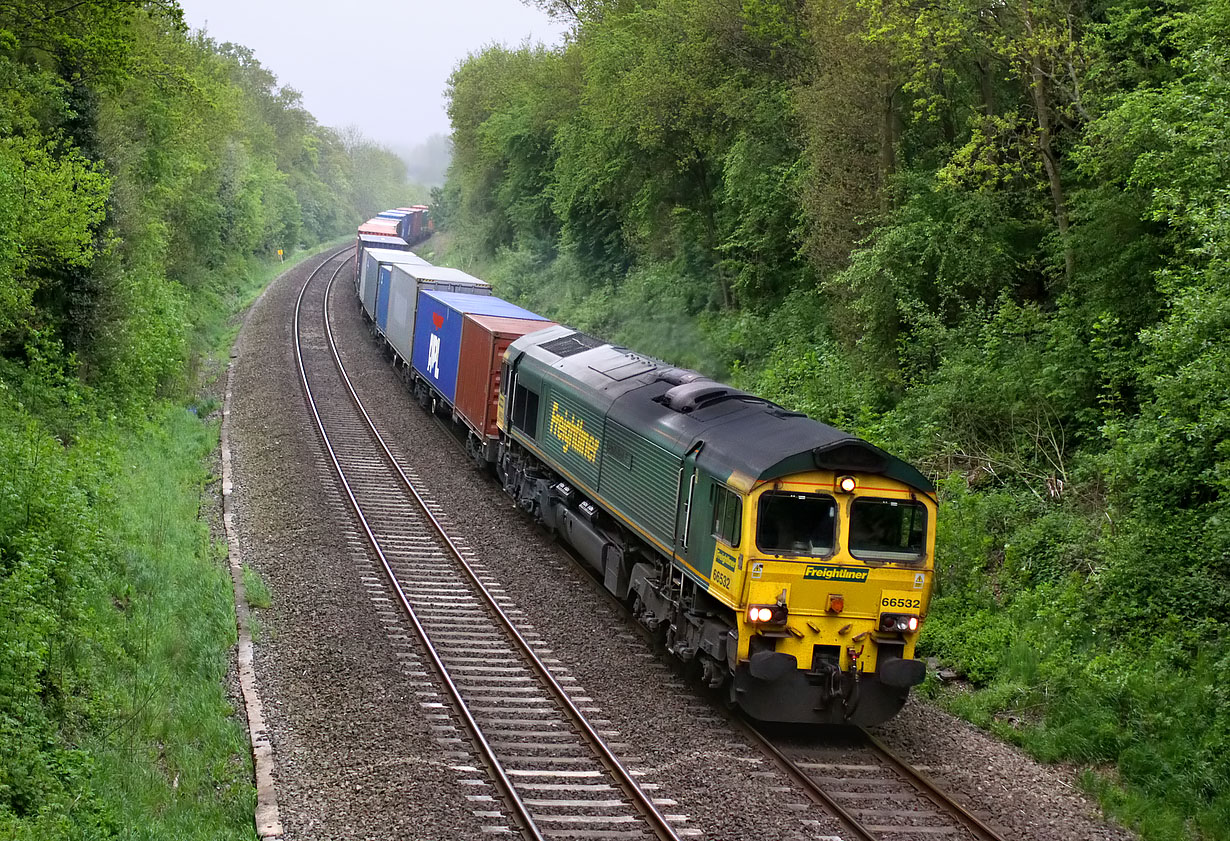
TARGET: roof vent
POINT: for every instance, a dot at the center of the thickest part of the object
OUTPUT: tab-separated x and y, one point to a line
573	343
679	376
696	394
851	454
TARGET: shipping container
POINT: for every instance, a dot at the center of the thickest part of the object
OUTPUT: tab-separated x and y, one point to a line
383	227
382	241
381	316
419	227
424	221
437	333
374	241
414	222
401	217
484	338
369	271
406	282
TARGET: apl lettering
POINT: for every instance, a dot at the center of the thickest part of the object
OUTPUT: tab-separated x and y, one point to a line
433	356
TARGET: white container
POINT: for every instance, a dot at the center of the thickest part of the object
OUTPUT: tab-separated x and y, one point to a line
406	281
369	272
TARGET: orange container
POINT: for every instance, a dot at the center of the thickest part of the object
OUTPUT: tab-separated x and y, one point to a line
484	338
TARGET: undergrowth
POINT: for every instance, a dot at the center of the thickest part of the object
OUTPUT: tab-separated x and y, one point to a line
118	612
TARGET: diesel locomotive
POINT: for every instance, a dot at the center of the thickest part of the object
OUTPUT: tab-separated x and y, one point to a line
790	562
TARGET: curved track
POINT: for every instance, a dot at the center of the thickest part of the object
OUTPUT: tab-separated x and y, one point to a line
556	775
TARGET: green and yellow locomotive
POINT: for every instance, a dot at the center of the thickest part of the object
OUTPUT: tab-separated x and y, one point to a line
793	562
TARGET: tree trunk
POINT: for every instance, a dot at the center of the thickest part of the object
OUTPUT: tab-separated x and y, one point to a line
888	145
1038	90
985	86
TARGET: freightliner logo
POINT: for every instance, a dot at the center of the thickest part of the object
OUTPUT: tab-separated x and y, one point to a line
854	574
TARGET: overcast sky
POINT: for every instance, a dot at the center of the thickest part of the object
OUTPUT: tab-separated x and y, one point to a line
379	66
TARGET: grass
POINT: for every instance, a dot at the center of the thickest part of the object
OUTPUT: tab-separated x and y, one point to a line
175	763
217	309
1147	723
256	589
117	618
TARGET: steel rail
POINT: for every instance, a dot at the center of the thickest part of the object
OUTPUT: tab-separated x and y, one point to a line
802	779
656	820
922	785
520	810
931	791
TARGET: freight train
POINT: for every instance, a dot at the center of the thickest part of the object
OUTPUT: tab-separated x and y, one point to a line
789	562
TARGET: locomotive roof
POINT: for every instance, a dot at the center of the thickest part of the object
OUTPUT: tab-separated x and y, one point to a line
755	439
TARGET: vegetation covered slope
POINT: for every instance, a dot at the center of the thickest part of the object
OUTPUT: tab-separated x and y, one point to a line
144	174
991	237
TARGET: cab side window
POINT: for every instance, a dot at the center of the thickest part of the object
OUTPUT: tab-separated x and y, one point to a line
525	410
727	515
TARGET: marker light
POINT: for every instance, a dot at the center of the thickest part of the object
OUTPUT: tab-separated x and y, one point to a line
761	614
836	603
898	622
847	484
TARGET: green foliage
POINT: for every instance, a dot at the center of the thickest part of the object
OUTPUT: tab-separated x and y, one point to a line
51	200
112	712
660	135
993	240
146	176
255	587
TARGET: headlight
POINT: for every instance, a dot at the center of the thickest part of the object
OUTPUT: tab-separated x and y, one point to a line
903	623
766	614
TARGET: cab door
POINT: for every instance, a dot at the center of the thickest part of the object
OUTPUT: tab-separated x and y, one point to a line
693	541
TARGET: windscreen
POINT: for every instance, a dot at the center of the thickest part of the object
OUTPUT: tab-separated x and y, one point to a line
888	529
796	524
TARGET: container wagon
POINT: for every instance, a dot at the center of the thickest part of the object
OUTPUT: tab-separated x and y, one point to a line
398	297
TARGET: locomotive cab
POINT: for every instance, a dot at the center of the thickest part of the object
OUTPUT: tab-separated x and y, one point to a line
845	564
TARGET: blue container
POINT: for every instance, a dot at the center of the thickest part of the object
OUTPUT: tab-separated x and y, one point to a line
437	333
402	217
383	284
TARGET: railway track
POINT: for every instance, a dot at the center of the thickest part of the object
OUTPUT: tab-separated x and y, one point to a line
878	795
850	773
555	774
